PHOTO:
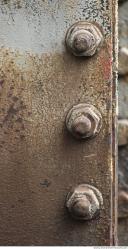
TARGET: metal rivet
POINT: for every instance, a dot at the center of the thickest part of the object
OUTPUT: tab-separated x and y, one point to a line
84	202
84	121
84	38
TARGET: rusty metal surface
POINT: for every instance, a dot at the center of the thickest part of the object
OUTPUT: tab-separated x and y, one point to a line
123	232
39	82
123	114
123	196
123	182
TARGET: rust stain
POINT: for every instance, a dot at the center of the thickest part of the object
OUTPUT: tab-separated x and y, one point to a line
34	102
106	65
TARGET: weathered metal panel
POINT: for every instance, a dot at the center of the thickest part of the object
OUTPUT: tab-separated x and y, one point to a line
39	82
123	124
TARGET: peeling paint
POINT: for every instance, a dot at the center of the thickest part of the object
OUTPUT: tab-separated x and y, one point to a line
40	26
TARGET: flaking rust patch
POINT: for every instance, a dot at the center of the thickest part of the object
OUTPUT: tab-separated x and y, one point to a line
37	93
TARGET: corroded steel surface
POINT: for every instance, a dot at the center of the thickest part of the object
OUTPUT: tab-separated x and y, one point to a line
39	161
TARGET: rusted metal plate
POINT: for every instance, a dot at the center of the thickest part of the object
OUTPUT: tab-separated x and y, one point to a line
122	125
39	82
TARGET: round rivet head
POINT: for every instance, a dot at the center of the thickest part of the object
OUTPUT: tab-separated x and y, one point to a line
84	38
84	121
84	202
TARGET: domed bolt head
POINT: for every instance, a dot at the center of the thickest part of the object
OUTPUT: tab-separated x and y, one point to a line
84	38
83	41
81	125
84	121
80	207
84	202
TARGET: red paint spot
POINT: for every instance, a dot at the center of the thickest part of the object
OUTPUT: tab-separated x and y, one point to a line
106	64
